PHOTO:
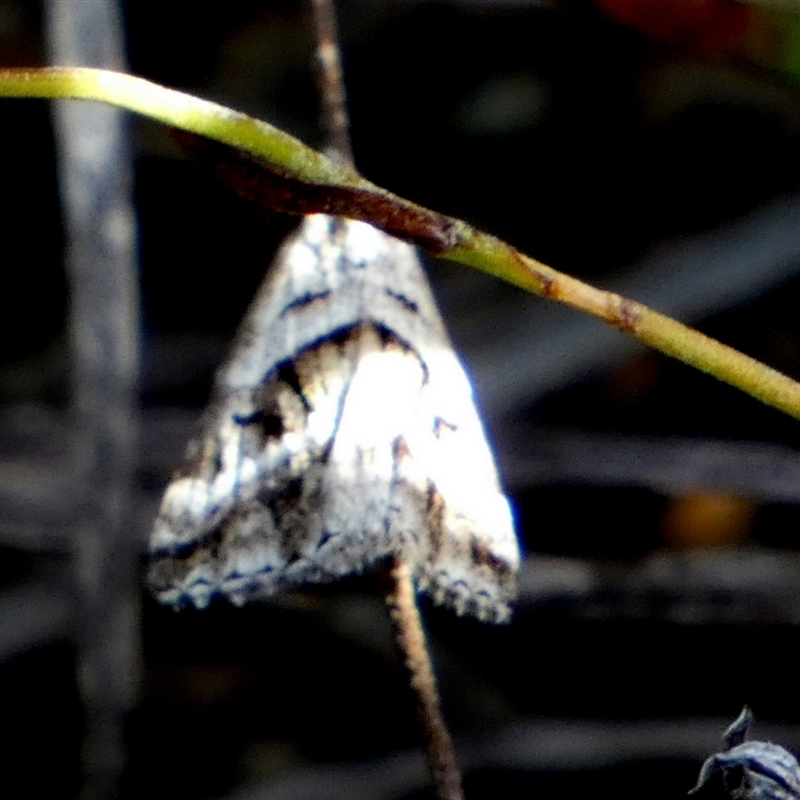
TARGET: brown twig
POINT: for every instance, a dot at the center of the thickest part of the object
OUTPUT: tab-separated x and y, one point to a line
331	83
410	637
401	595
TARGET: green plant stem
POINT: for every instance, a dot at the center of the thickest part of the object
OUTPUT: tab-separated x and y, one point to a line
180	110
657	330
311	182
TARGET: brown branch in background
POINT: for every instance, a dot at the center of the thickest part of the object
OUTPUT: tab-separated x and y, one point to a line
410	637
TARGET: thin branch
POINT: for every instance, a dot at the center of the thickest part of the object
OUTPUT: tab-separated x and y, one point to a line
410	637
689	278
736	586
537	455
277	149
331	84
96	195
401	595
544	745
283	173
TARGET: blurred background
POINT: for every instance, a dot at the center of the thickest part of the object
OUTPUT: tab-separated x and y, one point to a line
649	147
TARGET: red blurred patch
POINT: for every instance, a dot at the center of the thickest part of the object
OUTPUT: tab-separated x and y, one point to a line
705	26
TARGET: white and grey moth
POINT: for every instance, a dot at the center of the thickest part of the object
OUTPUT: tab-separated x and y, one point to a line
342	431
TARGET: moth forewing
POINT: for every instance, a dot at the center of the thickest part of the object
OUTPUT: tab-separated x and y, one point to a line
342	431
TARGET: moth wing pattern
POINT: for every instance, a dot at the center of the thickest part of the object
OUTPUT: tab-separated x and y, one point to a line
342	431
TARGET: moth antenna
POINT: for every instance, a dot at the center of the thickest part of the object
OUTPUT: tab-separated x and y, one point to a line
331	82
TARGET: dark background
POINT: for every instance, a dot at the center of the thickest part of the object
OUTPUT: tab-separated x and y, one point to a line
611	156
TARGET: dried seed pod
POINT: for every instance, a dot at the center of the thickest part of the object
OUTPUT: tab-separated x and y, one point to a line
749	770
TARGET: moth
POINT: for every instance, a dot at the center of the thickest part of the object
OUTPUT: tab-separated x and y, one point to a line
341	432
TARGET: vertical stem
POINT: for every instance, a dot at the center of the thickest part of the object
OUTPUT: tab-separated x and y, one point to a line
410	638
331	82
96	193
401	597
